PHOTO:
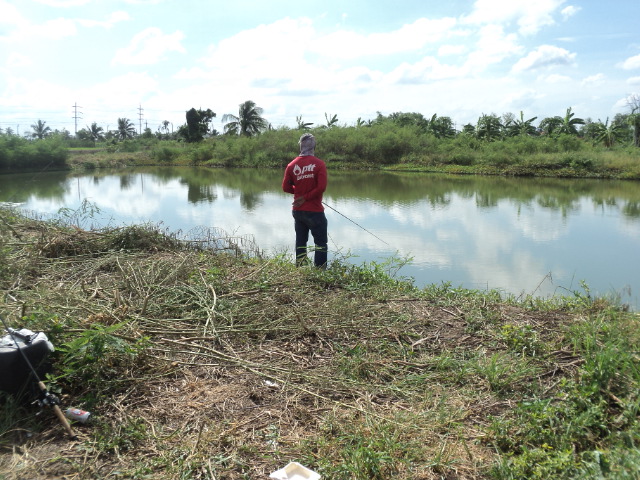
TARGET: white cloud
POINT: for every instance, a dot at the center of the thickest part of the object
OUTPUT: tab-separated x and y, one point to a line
529	16
594	80
130	90
11	16
554	78
58	28
520	100
631	63
63	3
22	32
633	81
451	50
149	47
493	46
411	37
17	60
110	22
569	11
35	91
423	71
282	47
544	56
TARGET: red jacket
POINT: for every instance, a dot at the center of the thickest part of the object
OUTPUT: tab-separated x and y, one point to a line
306	176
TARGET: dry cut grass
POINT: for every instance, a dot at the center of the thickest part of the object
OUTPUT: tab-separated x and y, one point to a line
203	363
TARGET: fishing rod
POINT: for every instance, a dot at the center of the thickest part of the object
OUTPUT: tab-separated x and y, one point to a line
370	233
48	398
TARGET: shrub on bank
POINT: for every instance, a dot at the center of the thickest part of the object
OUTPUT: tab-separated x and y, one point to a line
18	153
165	152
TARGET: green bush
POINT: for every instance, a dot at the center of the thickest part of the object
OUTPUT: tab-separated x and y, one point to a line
201	153
165	153
20	153
570	143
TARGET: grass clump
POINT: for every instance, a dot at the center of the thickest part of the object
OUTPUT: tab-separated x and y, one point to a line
200	359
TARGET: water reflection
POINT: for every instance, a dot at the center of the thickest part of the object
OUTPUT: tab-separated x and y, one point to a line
533	236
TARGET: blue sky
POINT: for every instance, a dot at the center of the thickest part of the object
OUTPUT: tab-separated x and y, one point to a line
456	58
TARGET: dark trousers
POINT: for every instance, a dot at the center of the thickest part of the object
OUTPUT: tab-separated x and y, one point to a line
316	223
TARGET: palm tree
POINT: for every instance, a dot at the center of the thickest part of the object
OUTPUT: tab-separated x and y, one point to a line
125	130
40	130
521	127
95	132
569	123
441	127
248	122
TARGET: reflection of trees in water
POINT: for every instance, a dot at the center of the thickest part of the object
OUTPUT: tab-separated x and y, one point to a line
631	209
384	188
557	203
18	188
127	181
486	200
201	193
250	200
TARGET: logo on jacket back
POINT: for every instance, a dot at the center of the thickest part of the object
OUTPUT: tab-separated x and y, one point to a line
300	172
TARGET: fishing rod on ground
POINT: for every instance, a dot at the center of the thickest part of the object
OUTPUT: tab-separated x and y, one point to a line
48	398
358	225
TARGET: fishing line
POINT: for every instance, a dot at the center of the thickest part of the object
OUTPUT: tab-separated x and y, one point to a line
357	224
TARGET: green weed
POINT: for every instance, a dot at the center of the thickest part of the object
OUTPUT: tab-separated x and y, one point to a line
522	339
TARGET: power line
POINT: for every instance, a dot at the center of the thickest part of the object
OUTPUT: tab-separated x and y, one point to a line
140	110
75	117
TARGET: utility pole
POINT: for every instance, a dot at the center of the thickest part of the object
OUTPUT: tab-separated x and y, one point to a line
76	116
140	110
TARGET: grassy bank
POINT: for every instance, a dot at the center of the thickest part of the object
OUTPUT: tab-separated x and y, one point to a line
385	145
200	362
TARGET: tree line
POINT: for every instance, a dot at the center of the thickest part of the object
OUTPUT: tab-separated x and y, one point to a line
250	122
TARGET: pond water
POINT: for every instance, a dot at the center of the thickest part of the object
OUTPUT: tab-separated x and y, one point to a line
522	236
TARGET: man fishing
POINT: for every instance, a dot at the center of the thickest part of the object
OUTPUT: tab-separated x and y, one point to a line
306	178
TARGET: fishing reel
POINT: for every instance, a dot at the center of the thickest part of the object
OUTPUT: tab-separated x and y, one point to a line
47	399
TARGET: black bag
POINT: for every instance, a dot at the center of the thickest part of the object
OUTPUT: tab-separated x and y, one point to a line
16	377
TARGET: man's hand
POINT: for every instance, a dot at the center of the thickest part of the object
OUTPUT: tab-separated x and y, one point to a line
298	201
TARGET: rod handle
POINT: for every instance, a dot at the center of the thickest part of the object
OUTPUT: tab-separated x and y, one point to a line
60	415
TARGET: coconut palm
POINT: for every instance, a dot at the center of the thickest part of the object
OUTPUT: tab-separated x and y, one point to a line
248	122
95	132
40	130
125	130
441	127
